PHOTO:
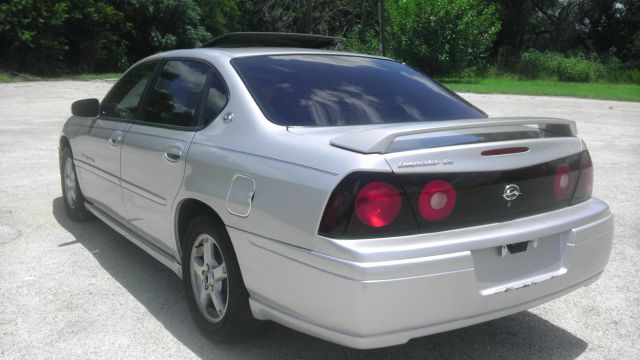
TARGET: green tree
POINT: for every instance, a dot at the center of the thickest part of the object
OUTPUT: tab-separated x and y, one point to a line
40	36
356	20
273	15
328	17
159	25
94	32
612	28
442	37
515	31
32	35
220	16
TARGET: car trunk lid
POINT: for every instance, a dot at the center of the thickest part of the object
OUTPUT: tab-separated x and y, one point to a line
508	169
499	169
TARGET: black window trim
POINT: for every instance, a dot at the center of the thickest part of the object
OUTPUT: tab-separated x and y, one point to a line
211	72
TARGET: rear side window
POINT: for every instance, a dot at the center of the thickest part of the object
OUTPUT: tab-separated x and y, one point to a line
123	100
175	96
330	90
216	99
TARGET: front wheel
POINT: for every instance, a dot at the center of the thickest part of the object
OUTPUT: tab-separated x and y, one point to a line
217	297
71	194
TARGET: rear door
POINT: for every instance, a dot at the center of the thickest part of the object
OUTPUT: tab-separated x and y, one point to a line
97	147
155	148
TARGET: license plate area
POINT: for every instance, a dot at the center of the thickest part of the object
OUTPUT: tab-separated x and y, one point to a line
521	264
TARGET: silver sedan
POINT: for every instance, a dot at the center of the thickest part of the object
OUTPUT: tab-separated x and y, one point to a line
344	195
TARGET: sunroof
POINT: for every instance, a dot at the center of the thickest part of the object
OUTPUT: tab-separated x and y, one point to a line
274	39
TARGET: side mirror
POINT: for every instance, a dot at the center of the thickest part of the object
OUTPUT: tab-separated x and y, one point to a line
86	108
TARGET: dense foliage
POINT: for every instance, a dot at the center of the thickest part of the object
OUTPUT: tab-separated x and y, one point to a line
570	40
534	64
441	36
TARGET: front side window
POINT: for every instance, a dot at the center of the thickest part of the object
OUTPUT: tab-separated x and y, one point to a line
331	90
123	100
175	96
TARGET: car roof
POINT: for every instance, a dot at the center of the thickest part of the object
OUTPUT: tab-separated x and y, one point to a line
230	53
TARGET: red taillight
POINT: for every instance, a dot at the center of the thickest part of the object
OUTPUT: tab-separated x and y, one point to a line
586	177
437	200
330	218
585	183
367	205
563	181
378	204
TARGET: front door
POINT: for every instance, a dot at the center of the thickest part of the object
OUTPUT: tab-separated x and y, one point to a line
155	148
97	147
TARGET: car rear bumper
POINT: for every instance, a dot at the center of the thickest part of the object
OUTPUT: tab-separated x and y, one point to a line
382	292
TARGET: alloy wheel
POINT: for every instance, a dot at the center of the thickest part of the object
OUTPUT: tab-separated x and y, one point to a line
209	282
70	183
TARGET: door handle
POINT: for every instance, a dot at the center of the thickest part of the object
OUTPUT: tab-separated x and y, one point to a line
115	140
173	156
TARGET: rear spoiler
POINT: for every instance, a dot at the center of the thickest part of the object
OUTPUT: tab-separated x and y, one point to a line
378	139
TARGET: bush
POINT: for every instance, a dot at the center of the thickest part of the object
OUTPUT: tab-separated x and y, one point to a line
442	37
619	72
633	76
535	65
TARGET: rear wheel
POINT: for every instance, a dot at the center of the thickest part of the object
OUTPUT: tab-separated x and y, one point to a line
218	300
71	194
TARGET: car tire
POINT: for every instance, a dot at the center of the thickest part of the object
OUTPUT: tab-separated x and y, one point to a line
216	295
71	193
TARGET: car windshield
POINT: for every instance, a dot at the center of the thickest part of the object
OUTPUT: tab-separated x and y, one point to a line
331	90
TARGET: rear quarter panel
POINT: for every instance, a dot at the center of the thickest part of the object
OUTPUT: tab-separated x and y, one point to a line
294	175
288	201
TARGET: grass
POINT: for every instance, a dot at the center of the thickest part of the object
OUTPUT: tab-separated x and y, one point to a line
508	85
105	76
483	85
16	77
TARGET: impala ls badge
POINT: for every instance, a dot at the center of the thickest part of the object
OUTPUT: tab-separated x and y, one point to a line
511	192
410	164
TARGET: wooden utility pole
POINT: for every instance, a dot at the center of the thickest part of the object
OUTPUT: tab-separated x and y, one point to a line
308	19
383	43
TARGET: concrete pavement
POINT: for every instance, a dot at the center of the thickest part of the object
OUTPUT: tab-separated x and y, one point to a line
78	290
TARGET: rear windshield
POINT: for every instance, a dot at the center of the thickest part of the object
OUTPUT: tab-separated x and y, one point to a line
330	90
